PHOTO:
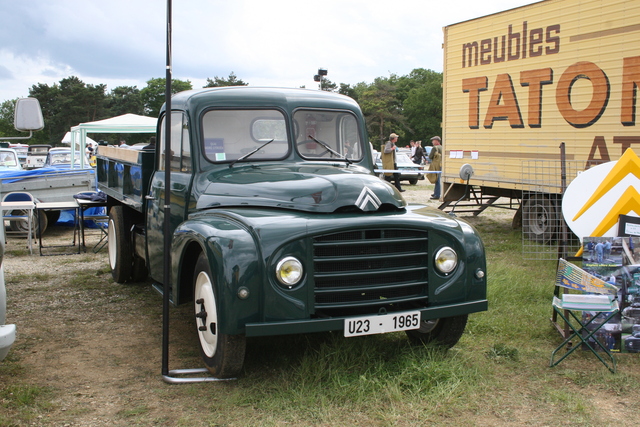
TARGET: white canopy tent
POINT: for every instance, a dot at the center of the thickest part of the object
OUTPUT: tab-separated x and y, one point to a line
67	139
126	123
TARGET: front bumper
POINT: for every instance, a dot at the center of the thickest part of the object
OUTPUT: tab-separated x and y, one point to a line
303	326
7	338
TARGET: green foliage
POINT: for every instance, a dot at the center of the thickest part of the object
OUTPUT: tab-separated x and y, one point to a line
6	119
233	80
327	85
67	104
381	107
154	93
124	100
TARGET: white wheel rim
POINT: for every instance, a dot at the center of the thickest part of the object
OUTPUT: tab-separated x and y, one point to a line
112	244
428	326
206	303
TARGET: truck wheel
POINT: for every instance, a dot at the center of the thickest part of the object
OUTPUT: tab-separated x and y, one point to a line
120	255
222	354
413	181
539	219
446	331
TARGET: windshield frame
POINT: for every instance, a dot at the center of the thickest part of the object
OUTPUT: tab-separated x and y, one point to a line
307	148
214	150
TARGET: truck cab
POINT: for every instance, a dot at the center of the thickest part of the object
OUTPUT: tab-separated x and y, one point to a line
279	226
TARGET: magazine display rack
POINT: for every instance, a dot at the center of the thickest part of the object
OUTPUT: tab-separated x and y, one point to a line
596	297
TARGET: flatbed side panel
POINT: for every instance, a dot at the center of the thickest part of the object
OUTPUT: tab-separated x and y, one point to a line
519	83
125	174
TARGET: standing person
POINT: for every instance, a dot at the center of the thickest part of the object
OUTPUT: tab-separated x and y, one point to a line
151	145
607	249
123	144
389	160
418	153
435	156
599	252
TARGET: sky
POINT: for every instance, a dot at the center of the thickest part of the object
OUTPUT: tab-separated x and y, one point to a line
279	43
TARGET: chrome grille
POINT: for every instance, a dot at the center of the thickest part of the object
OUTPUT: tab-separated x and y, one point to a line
365	268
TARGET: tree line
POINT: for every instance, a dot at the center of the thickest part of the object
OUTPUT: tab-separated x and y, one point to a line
409	105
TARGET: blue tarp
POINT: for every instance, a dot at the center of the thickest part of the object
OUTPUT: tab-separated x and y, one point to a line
18	175
67	218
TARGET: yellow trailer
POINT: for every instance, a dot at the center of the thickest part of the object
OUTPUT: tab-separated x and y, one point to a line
535	91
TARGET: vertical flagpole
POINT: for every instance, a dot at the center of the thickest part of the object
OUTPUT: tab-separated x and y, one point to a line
167	204
169	376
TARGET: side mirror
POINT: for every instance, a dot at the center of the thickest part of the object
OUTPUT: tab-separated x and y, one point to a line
28	115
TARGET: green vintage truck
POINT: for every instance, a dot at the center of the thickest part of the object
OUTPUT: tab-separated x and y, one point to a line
279	226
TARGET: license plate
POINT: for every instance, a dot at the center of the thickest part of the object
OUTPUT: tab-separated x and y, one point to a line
381	324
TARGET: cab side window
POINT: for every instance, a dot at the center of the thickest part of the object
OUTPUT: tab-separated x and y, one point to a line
180	153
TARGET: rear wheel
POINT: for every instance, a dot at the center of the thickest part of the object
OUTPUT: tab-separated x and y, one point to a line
120	255
446	331
222	354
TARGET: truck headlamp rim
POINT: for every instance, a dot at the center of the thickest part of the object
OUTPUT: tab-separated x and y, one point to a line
446	260
289	271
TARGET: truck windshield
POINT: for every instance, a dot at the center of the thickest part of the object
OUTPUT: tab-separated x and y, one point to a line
232	134
327	135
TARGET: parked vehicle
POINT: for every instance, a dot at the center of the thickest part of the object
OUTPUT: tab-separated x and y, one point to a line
21	151
60	158
408	169
9	160
44	185
278	226
519	83
7	332
36	155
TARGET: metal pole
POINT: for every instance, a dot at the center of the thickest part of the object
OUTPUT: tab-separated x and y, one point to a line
169	376
167	202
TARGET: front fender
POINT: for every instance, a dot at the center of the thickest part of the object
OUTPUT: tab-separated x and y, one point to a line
234	259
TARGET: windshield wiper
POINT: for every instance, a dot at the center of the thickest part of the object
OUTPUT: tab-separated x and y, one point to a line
251	153
331	150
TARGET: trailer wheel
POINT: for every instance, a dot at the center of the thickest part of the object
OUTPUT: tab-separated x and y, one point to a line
22	226
222	354
539	219
446	331
120	255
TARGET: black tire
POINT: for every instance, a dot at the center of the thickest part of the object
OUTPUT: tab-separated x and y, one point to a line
413	181
445	332
539	219
516	222
120	254
222	354
53	216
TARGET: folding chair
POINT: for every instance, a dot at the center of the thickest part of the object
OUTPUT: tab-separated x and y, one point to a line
95	212
595	296
18	209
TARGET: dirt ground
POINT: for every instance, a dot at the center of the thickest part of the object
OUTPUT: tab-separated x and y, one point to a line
84	338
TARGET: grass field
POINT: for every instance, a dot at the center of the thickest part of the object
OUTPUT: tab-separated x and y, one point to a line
498	373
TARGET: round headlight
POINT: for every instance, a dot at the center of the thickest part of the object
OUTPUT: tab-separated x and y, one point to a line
289	271
446	260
